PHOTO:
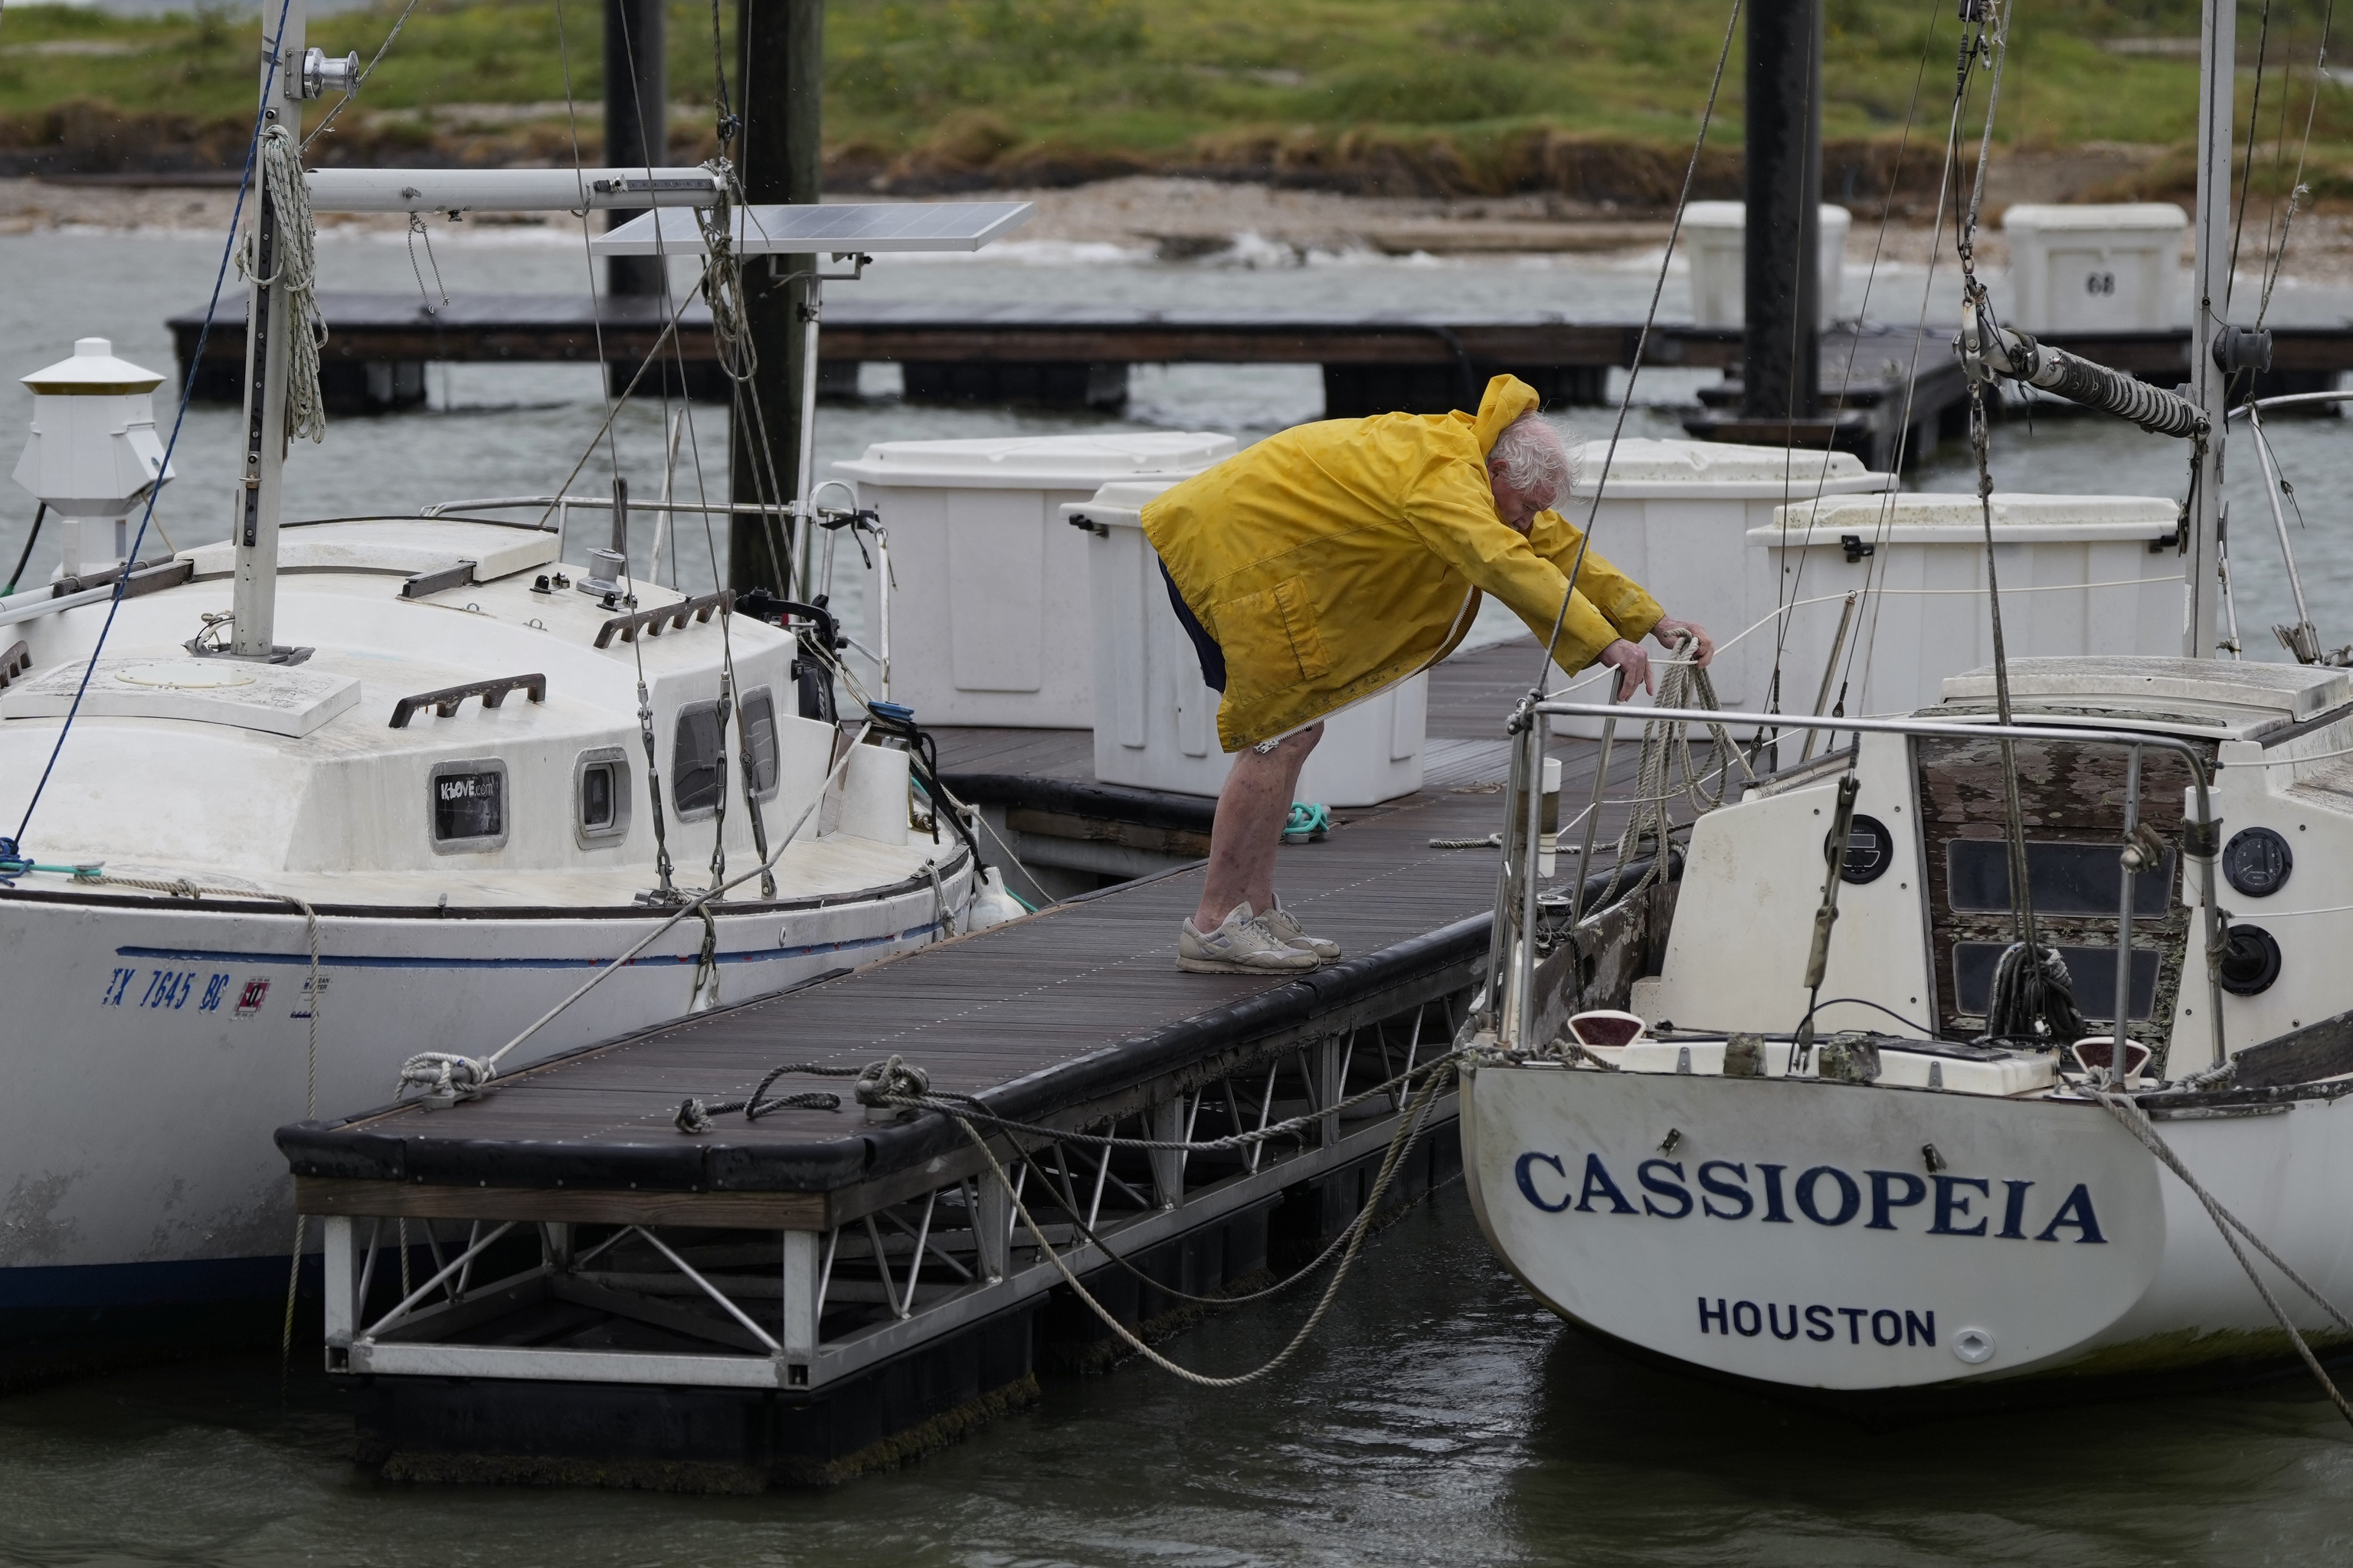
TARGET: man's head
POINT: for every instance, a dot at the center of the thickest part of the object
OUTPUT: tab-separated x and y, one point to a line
1529	469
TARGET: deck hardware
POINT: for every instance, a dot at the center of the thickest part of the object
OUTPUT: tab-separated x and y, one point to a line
444	703
1936	1075
459	575
2257	861
540	583
16	662
674	616
1086	525
1674	1140
2250	961
146	576
1928	1155
1855	548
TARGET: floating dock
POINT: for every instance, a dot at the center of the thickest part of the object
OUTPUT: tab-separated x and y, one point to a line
797	1298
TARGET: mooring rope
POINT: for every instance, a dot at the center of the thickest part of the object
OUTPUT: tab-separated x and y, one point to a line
896	1082
2136	1121
1357	1230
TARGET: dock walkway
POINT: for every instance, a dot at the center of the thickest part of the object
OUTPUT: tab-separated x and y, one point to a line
798	1298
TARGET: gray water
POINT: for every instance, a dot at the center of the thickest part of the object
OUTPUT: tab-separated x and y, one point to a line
1440	1417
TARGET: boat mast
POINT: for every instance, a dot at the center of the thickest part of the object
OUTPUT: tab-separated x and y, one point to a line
2210	288
254	529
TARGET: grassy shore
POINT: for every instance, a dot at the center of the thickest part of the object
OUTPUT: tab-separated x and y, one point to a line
1474	95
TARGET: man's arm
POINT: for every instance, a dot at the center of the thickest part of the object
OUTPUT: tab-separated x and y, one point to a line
1455	520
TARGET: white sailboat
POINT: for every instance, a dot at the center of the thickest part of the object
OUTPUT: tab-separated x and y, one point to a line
330	797
1839	1137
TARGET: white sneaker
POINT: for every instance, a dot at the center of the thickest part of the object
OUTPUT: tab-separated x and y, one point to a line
1285	928
1241	945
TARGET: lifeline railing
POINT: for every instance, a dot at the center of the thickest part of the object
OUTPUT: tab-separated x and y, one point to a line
1512	950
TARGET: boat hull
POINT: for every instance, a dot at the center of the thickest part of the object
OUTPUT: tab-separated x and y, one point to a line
150	1050
1799	1234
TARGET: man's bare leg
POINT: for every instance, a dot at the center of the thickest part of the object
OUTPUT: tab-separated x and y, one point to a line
1251	811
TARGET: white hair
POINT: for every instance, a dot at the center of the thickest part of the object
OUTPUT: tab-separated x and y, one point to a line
1533	460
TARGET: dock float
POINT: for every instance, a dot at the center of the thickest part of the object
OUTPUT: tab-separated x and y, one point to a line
556	1282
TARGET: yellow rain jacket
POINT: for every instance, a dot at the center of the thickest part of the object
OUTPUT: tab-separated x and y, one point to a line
1337	558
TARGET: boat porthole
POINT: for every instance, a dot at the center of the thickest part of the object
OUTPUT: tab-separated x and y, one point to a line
1974	1346
2256	861
2250	961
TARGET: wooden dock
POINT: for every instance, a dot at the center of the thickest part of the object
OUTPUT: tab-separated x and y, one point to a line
796	1298
1078	356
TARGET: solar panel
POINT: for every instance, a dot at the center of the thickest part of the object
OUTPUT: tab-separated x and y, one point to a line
873	227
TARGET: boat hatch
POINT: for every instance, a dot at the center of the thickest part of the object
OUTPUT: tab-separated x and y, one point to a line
2233	695
271	698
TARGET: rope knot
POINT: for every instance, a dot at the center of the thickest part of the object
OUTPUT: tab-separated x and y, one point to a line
444	1077
888	1084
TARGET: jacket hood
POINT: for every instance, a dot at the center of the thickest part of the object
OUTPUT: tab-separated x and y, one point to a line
1507	398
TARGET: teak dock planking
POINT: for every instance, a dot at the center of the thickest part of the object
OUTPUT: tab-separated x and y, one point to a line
816	1293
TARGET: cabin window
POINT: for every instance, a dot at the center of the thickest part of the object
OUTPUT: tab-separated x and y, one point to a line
760	729
467	805
2066	879
600	797
698	762
2092	970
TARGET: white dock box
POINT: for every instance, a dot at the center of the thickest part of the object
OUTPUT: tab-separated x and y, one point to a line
2080	574
1156	721
1676	516
2094	268
1716	237
990	622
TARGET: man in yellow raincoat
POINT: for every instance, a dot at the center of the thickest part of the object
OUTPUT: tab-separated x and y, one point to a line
1337	559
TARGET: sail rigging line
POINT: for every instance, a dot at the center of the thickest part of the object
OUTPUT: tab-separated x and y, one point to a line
2032	995
10	854
588	259
1641	346
729	706
1855	348
2298	190
361	81
2247	173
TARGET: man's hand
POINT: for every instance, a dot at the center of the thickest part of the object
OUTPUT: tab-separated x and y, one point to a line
1667	630
1633	667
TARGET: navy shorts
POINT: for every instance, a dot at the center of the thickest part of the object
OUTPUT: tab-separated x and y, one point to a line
1213	658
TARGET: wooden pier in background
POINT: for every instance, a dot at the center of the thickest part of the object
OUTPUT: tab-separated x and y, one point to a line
1875	379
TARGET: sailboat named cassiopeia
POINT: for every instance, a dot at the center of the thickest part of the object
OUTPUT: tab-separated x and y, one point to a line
2051	1084
294	813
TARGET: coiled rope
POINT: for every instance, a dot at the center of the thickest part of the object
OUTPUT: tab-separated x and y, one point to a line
298	269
